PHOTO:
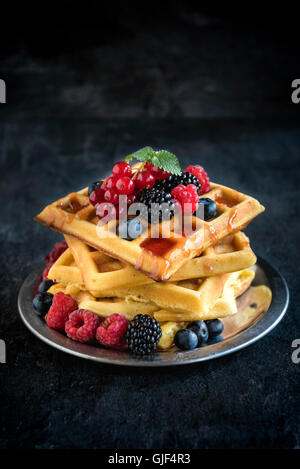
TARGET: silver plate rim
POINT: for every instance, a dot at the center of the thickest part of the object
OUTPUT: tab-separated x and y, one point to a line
277	310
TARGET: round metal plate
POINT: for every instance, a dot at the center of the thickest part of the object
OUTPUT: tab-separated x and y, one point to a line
236	335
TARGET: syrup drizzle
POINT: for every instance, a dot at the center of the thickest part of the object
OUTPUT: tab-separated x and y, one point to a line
232	215
159	266
212	234
160	250
159	247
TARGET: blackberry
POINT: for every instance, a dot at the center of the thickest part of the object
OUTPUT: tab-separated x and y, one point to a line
174	180
157	196
143	335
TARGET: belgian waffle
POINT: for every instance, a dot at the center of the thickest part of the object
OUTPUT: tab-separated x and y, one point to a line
193	296
100	273
159	258
255	301
104	306
221	302
224	305
65	270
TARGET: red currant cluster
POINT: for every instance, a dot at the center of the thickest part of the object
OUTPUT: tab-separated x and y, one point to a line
123	182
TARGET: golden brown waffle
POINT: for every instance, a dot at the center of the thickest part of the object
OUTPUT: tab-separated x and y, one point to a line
101	273
192	296
255	301
225	305
220	306
159	258
104	306
65	270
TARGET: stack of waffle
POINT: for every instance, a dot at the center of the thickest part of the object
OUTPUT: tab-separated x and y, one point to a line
176	280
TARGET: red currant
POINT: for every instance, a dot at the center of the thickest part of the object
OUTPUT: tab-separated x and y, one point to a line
104	183
110	182
97	196
120	211
125	185
112	196
131	199
148	167
164	174
122	169
144	180
103	210
157	173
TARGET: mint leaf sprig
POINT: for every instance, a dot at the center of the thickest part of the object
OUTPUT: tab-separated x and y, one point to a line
162	159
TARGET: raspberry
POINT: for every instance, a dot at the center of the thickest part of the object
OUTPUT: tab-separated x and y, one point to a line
82	325
57	250
111	332
58	314
186	195
201	175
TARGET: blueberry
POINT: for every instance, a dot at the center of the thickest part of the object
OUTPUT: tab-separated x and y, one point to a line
214	340
186	339
209	206
131	229
215	327
42	302
200	329
44	286
93	186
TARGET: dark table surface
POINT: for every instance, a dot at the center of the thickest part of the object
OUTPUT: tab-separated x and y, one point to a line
67	120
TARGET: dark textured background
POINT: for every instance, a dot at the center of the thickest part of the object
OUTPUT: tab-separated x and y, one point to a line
86	86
